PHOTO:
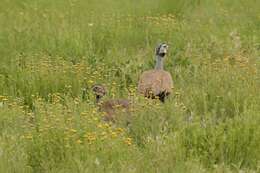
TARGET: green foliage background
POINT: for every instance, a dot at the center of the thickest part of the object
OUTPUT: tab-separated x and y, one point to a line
209	124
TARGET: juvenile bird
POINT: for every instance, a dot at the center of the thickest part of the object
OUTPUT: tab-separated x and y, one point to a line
111	106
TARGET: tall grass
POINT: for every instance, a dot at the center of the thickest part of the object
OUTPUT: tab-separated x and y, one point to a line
52	52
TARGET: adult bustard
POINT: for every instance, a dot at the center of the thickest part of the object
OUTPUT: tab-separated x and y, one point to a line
157	82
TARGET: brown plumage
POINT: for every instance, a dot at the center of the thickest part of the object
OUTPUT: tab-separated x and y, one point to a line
109	107
157	82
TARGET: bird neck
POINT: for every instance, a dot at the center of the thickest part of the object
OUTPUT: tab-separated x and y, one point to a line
159	63
98	98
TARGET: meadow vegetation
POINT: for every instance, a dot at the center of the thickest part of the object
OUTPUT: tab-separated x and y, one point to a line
52	52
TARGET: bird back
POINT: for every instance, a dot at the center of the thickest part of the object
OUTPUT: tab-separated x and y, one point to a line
111	106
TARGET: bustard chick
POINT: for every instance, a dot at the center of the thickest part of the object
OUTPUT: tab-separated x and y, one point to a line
109	107
157	82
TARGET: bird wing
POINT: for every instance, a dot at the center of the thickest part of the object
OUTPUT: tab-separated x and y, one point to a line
167	82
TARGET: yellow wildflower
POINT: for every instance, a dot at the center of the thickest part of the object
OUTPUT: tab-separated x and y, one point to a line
106	125
99	125
73	130
83	113
90	137
78	141
113	134
128	141
120	130
90	81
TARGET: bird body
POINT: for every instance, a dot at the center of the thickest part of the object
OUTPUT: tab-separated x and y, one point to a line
111	107
156	82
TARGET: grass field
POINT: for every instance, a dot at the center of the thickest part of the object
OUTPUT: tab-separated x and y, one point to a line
52	52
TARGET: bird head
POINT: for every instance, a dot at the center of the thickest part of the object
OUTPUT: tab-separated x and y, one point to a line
161	50
99	90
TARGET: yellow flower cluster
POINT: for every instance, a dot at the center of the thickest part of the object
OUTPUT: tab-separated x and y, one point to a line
90	136
3	98
128	141
83	128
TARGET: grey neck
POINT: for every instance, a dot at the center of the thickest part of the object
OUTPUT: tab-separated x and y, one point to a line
159	62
